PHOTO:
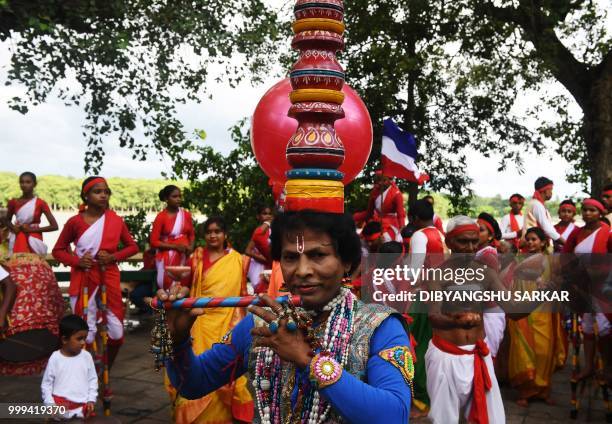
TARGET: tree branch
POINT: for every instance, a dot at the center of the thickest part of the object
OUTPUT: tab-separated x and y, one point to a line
536	28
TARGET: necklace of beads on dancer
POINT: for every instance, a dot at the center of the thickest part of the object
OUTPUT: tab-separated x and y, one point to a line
268	382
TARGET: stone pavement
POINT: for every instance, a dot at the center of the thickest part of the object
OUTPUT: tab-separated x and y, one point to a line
139	396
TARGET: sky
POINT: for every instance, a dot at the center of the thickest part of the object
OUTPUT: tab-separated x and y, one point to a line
48	140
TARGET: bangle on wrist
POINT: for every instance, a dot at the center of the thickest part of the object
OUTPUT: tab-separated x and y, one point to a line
324	370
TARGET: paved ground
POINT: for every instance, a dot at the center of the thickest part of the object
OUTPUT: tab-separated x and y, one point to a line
139	396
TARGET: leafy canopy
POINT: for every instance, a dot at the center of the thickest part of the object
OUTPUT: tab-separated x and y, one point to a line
452	73
128	64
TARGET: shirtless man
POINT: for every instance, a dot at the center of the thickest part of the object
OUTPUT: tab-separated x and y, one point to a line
460	374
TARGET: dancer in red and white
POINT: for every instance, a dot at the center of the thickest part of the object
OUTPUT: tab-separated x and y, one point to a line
427	242
512	223
493	315
593	238
258	250
96	233
26	232
387	203
172	236
567	212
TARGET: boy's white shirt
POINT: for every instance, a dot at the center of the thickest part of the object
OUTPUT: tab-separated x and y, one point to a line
73	378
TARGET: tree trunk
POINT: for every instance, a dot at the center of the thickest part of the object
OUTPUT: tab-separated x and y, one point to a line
597	126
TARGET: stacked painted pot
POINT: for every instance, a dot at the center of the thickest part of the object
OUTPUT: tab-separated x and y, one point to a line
315	151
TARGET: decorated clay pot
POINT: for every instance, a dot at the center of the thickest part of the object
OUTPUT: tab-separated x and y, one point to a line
315	145
325	9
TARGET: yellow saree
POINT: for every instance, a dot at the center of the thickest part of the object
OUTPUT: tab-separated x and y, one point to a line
537	346
222	278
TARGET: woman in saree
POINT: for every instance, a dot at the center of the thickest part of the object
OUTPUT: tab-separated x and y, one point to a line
31	324
172	235
216	271
38	306
592	243
26	232
334	359
537	342
101	240
258	250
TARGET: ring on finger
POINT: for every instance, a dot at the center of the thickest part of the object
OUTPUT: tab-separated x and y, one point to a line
291	325
273	326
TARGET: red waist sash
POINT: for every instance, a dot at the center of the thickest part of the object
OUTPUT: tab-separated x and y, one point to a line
482	380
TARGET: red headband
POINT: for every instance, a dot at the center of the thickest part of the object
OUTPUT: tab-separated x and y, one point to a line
460	229
607	193
488	225
568	206
546	187
515	199
87	187
92	183
594	203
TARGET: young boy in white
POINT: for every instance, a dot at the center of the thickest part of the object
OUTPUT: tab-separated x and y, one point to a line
70	378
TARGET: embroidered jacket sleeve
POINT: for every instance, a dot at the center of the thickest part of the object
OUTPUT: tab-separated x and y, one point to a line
386	397
195	376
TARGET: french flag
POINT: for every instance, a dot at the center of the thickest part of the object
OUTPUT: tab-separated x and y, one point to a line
399	154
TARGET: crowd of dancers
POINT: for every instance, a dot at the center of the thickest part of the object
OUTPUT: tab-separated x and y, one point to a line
427	361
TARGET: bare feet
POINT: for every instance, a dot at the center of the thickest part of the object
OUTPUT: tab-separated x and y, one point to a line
523	403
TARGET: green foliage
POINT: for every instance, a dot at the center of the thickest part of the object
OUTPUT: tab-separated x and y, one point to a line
451	73
139	228
133	61
63	192
231	186
496	206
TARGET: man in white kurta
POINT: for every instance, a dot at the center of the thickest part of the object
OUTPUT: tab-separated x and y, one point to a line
536	214
513	222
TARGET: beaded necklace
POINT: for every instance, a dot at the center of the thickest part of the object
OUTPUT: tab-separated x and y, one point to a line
268	367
